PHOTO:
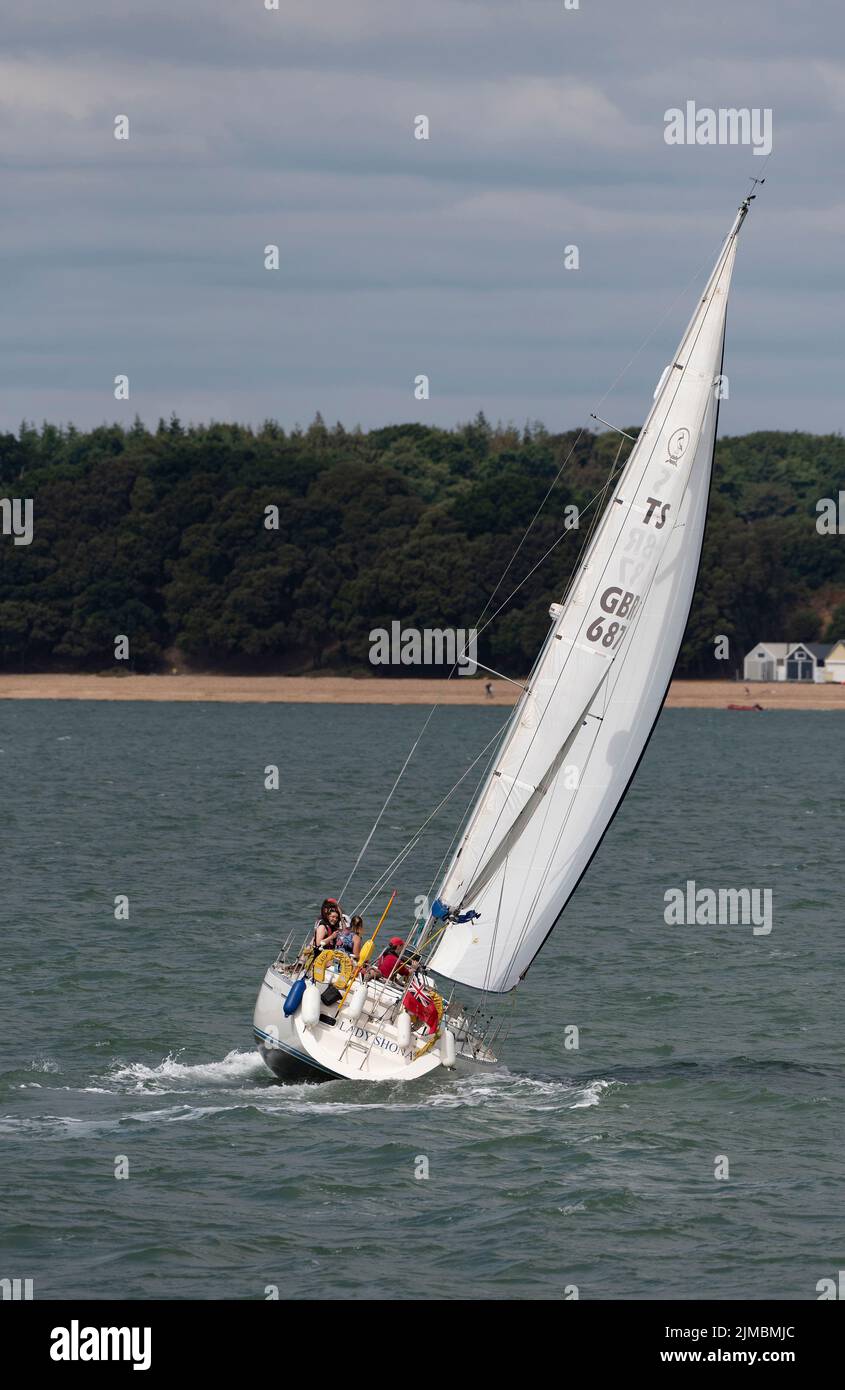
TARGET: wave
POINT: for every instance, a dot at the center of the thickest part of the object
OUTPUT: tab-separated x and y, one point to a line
240	1081
235	1069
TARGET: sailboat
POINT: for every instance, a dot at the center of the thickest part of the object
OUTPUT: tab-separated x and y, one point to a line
560	771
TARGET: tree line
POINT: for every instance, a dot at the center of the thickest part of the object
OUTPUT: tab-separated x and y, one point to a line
223	547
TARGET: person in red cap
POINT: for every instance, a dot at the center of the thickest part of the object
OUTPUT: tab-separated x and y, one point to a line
388	962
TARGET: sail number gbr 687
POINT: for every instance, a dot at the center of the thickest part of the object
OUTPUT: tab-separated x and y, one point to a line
616	603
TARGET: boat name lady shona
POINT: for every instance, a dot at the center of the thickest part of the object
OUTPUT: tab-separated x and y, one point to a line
376	1039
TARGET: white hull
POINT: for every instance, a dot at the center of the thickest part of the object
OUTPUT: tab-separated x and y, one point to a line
340	1047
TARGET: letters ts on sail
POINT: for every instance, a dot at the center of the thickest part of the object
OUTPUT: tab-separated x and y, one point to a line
600	679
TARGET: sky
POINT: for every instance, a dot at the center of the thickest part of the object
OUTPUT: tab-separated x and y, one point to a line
401	257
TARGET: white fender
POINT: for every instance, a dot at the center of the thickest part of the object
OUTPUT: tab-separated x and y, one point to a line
403	1029
354	1006
446	1048
310	1006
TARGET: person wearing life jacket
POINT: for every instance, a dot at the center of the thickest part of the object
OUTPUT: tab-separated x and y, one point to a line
349	937
327	926
388	964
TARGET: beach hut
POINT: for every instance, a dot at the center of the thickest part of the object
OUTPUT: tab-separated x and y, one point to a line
834	664
789	661
766	662
805	661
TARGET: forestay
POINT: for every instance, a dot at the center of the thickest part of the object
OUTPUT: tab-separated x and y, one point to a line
599	682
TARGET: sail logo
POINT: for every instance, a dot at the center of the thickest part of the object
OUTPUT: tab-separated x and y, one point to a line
16	519
77	1343
428	646
728	125
677	445
722	907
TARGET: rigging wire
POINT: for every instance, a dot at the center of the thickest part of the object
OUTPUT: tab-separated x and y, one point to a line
481	626
439	871
368	896
405	851
594	521
614	470
388	799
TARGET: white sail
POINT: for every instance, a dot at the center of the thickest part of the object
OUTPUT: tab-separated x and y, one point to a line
599	682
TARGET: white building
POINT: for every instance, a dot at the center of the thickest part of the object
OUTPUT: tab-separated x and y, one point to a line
834	663
766	662
794	661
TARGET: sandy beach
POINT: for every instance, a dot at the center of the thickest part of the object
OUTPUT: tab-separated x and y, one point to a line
368	690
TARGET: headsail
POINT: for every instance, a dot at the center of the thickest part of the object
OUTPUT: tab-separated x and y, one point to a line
599	682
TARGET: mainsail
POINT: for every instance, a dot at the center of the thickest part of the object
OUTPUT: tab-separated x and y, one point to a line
597	687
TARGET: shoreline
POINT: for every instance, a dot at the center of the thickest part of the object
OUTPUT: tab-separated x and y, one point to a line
371	690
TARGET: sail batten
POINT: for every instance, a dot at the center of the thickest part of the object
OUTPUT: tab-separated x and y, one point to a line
560	773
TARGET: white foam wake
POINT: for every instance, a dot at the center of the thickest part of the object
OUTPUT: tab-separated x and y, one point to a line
591	1094
236	1069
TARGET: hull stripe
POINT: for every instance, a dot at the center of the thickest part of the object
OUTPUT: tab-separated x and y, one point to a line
293	1052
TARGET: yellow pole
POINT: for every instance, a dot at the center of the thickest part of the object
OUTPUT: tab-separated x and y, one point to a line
366	951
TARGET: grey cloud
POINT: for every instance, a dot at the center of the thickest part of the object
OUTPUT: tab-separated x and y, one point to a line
398	256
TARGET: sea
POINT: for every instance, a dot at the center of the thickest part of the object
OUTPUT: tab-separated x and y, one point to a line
665	1121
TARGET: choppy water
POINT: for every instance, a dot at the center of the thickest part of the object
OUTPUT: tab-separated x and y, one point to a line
592	1167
